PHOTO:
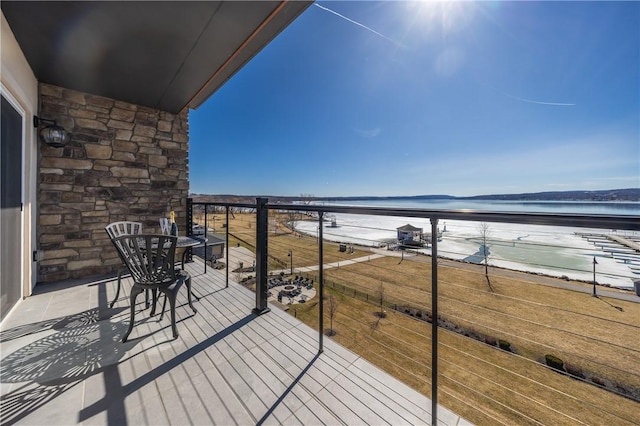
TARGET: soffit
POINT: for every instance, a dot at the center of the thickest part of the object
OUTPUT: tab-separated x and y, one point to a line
168	55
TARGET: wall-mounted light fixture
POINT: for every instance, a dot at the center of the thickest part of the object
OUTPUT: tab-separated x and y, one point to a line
51	134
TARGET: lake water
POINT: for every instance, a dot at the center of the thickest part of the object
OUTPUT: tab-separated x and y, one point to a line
550	250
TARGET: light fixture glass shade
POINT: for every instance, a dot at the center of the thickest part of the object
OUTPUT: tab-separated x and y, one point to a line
54	135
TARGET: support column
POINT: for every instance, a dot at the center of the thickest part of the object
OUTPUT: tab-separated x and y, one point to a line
320	285
262	222
434	321
227	249
188	230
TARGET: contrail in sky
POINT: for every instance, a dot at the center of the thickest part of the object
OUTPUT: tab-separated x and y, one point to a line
537	102
357	23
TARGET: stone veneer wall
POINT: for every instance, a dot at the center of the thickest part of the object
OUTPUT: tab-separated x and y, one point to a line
124	162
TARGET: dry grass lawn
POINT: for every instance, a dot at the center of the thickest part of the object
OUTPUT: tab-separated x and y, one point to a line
484	384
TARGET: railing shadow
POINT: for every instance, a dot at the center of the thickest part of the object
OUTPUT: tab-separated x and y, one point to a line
117	395
287	391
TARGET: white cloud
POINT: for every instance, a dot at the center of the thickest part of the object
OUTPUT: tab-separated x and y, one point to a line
368	133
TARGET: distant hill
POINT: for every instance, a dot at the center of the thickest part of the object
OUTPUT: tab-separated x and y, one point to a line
629	194
608	195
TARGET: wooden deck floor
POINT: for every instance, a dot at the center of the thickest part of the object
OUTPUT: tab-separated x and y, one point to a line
63	363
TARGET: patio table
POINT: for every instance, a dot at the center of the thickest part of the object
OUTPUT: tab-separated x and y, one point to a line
188	243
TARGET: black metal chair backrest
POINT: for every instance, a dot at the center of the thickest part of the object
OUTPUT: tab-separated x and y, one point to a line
150	258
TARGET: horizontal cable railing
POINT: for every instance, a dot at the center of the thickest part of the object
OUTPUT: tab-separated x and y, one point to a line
503	343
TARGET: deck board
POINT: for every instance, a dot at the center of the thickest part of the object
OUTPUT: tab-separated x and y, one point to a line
227	366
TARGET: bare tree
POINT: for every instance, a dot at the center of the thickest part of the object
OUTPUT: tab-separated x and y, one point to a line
332	304
484	232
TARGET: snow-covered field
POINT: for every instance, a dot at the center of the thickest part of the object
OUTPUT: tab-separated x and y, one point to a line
555	251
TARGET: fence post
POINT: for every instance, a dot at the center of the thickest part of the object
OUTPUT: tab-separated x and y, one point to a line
434	321
262	219
320	284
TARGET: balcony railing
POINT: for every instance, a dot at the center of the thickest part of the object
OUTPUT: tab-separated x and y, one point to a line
506	347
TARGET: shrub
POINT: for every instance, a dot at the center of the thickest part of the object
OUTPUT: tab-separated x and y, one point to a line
504	345
598	381
574	370
490	340
554	362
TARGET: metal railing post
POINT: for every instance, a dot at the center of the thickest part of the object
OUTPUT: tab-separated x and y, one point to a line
434	321
189	228
262	223
205	238
227	249
320	284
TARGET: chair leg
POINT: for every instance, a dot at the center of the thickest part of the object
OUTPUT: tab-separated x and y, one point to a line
115	299
164	306
172	303
154	294
135	291
189	292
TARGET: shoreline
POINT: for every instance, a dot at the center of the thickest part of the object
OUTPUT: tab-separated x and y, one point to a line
576	252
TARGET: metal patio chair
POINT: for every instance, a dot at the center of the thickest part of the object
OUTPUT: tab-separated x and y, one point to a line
151	262
117	229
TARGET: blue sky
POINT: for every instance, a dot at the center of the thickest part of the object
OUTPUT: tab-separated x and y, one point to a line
409	98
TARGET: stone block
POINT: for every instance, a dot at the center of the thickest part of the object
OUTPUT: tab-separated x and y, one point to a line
180	137
90	124
158	161
168	145
45	171
164	126
52	111
164	136
121	145
122	114
107	163
123	156
49	90
71	197
53	197
51	238
66	163
110	182
57	254
55	187
94	214
130	172
80	206
82	113
73	96
125	105
99	110
50	219
84	137
119	124
141	139
124	135
77	244
150	150
98	151
99	101
75	265
147	131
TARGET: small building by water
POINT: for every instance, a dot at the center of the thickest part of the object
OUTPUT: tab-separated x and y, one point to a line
410	235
